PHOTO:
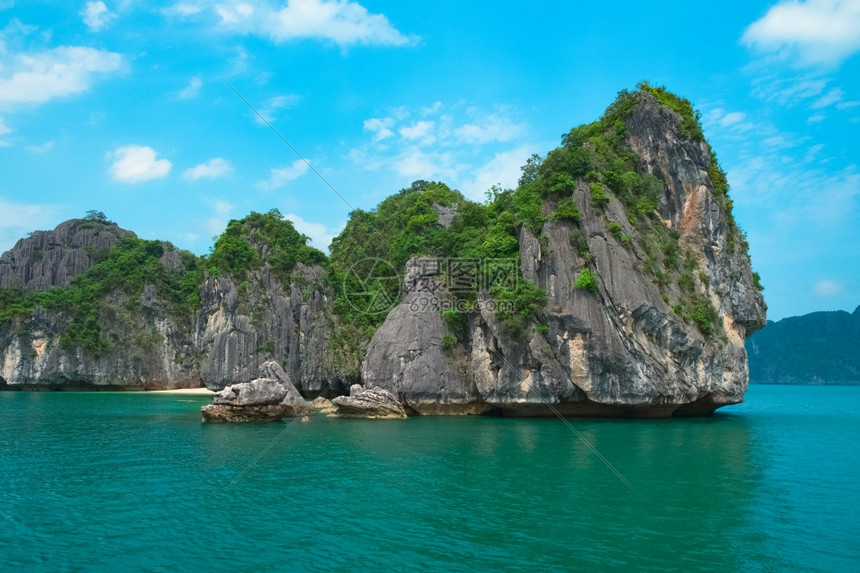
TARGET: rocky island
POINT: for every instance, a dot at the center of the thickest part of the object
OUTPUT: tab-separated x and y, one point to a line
613	281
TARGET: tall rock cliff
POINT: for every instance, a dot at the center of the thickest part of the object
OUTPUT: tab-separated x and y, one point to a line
612	281
649	290
112	311
52	258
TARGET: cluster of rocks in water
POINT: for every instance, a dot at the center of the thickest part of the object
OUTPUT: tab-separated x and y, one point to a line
273	397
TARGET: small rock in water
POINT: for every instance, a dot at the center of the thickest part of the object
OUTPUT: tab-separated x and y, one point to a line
368	403
266	399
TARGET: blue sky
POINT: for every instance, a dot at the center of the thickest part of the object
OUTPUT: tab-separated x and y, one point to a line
123	106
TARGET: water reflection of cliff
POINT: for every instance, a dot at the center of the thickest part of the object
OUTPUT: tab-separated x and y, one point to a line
531	491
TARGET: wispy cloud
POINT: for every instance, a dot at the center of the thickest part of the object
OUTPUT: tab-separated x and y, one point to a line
828	288
416	163
811	33
319	234
44	148
504	170
34	78
4	130
270	108
212	169
487	128
182	9
192	90
96	15
279	177
18	219
136	164
464	146
221	210
828	99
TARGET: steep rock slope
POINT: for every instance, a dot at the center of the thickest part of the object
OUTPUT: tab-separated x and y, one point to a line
52	258
141	314
649	291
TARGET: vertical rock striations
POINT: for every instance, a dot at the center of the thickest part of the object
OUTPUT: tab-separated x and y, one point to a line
647	305
52	258
613	281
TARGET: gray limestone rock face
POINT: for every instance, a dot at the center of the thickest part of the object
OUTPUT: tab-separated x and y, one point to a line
47	259
374	403
406	355
241	326
620	351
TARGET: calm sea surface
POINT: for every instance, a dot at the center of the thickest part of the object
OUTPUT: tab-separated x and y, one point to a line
121	482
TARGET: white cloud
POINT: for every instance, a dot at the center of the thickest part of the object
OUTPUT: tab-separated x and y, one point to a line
44	148
18	219
828	288
503	169
234	13
815	32
63	71
5	4
192	90
341	21
279	177
212	169
817	118
420	130
182	10
381	127
137	163
487	129
320	235
96	15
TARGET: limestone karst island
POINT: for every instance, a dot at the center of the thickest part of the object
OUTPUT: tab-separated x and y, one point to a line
613	281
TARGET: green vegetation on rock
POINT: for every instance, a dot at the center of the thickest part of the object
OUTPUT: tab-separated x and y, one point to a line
128	268
262	238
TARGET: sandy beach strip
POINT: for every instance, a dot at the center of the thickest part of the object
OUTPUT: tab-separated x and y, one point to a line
182	391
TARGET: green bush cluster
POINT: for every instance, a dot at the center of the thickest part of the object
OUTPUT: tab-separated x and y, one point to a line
599	198
618	232
587	280
524	301
262	238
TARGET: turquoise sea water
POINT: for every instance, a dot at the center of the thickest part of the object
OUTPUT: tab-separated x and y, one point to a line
121	482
